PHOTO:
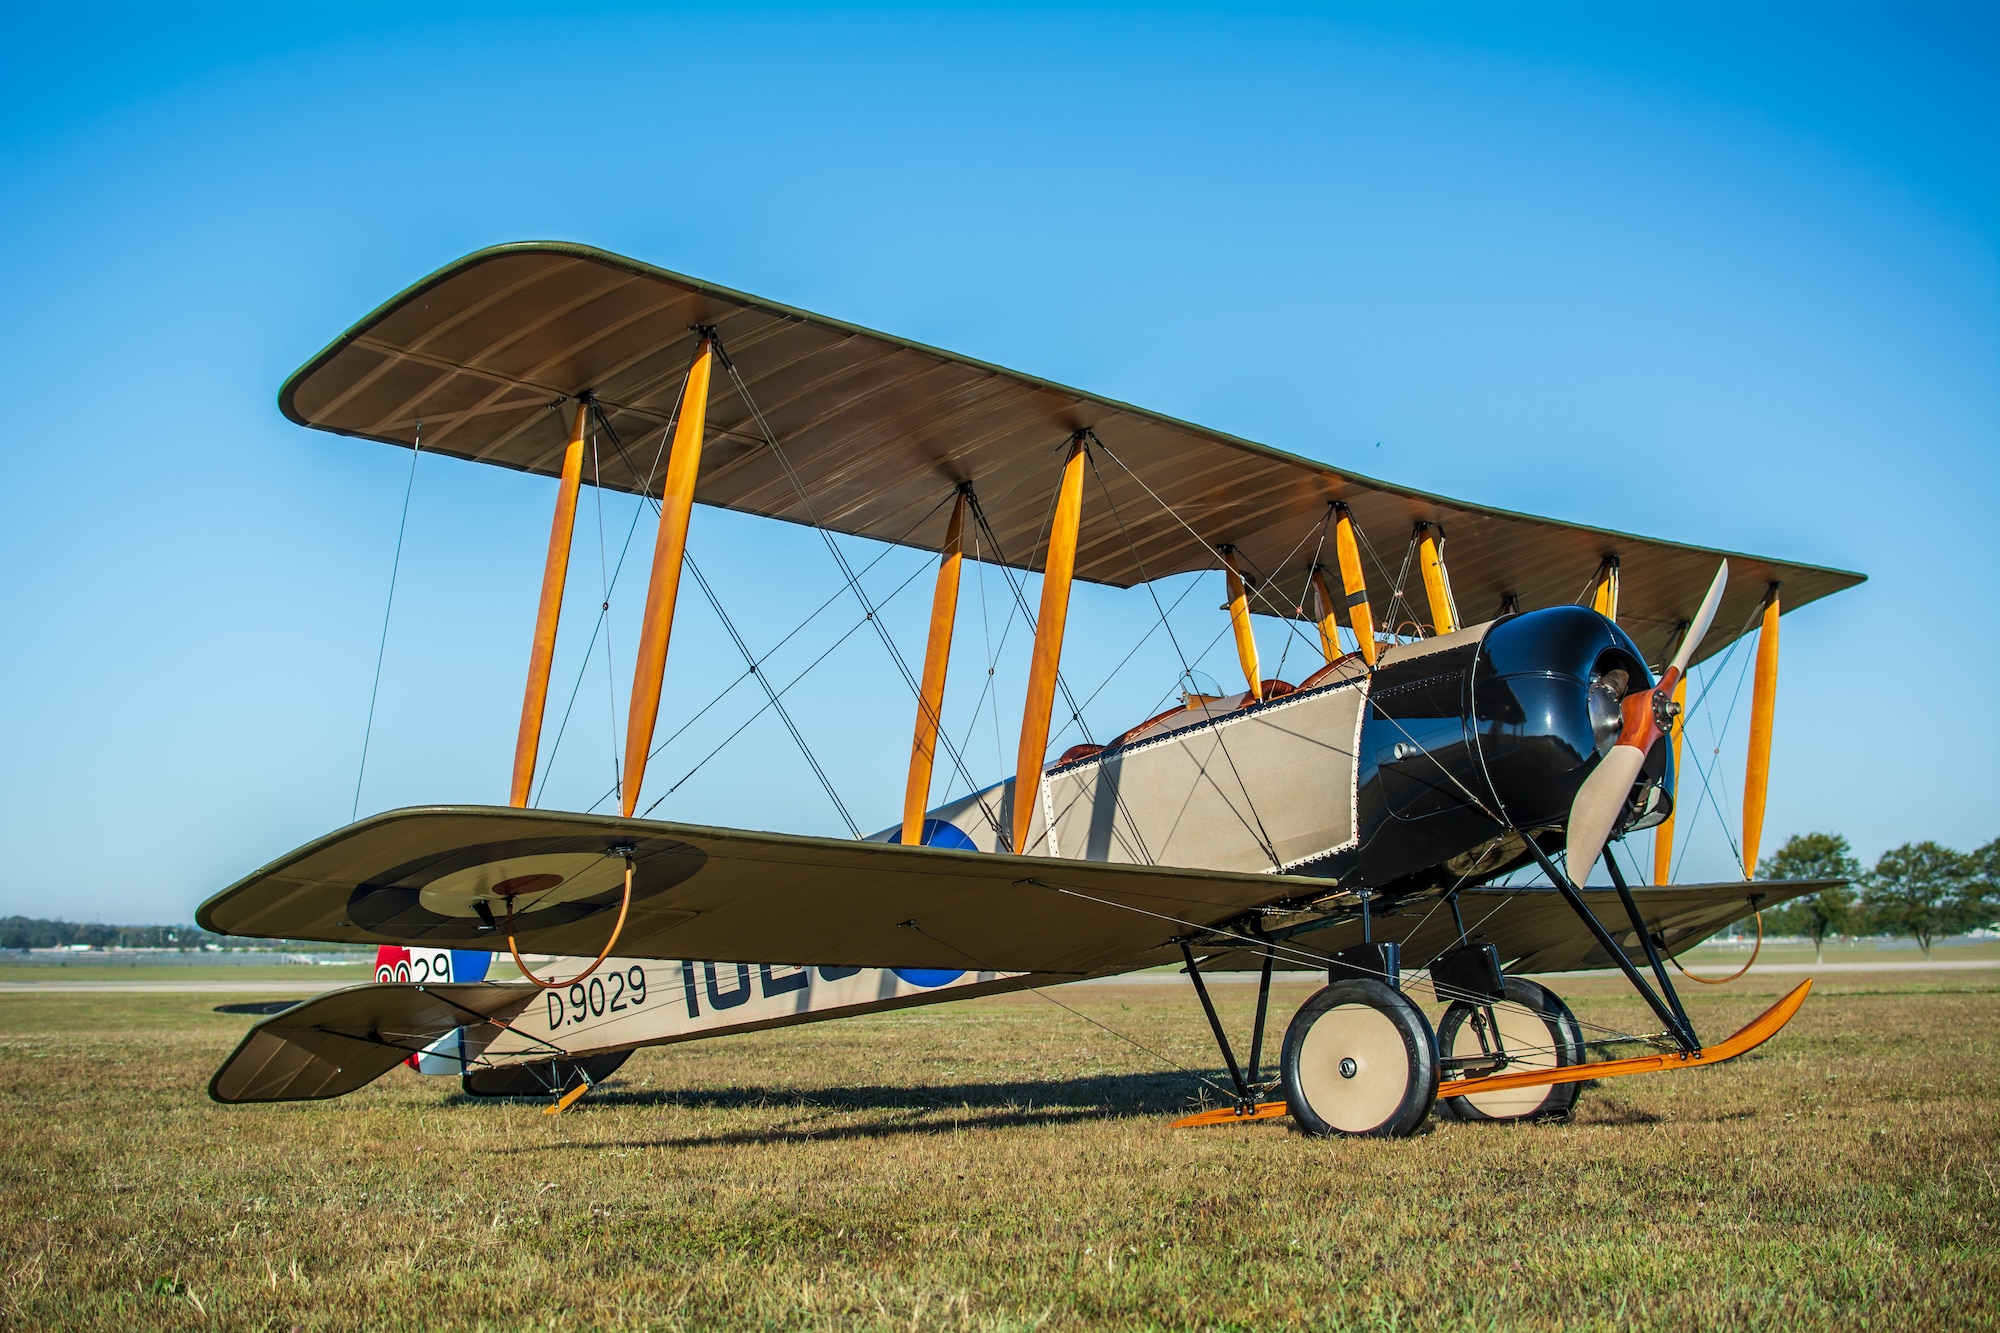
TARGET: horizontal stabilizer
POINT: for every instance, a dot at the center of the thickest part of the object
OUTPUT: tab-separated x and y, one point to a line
348	1038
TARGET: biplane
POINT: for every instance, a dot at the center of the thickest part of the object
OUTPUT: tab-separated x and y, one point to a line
1420	812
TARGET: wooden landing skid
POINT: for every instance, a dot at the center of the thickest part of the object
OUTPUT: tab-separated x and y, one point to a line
1754	1034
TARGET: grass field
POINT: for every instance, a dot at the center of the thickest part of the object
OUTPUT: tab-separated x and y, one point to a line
1002	1164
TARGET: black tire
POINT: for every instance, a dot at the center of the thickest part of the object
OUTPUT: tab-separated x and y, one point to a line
549	1078
1360	1060
1540	1031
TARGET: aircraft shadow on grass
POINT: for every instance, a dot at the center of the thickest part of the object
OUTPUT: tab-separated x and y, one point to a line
941	1110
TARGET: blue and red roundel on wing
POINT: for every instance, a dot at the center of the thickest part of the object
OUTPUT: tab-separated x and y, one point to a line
940	833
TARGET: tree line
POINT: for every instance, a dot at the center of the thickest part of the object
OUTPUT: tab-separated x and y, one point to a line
1920	890
26	932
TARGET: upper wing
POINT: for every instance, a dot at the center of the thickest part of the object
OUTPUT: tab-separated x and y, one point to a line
435	876
880	430
1535	930
346	1039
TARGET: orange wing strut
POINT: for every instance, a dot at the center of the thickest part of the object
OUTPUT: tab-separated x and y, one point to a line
1328	613
1239	621
1604	600
555	575
1360	616
937	657
1437	584
1754	1034
1057	570
1663	839
1763	710
676	506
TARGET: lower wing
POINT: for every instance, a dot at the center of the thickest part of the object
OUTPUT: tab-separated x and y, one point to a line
1533	928
455	877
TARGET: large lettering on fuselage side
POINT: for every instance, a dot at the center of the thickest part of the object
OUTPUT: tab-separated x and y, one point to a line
638	1001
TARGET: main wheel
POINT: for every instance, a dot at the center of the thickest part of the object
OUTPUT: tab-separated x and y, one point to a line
1360	1059
1533	1029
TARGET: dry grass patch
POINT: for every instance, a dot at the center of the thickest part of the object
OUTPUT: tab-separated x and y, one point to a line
1001	1164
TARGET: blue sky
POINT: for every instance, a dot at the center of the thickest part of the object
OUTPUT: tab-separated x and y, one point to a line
1720	274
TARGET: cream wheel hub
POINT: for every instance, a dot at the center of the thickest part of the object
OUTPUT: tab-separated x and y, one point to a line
1354	1068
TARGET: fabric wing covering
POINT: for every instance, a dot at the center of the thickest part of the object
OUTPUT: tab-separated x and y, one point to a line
1533	928
346	1039
422	876
433	876
878	430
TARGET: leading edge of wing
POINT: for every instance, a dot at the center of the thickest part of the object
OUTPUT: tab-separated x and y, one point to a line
732	895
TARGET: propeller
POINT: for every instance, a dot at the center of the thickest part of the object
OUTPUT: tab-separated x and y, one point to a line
1601	799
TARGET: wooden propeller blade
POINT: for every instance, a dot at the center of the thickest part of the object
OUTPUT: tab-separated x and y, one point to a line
1593	816
1599	802
1702	619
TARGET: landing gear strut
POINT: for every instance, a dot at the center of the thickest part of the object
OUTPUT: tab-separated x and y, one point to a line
1530	1029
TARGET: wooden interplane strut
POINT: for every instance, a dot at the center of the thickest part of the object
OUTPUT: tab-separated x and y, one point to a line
1347	551
1057	570
555	577
1663	837
1763	712
669	549
1327	614
1604	596
937	658
1437	584
1239	623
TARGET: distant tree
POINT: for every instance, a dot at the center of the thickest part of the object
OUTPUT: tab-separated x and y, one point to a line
1920	889
1982	890
1828	912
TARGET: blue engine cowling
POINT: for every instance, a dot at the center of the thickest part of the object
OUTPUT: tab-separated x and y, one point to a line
1472	745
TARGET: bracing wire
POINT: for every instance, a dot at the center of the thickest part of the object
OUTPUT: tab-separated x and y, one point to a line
604	616
760	663
782	691
604	608
833	547
382	648
784	713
